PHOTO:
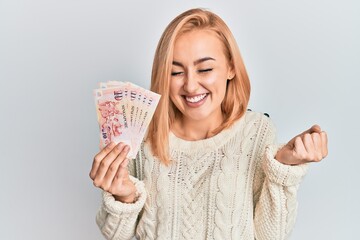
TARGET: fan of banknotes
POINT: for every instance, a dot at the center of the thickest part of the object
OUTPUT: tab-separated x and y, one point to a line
124	111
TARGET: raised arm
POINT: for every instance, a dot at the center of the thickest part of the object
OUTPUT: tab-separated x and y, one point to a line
280	172
123	195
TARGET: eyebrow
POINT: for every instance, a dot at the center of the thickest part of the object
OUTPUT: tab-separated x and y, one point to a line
195	62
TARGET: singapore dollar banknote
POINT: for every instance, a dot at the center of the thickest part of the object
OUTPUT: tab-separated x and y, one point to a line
124	111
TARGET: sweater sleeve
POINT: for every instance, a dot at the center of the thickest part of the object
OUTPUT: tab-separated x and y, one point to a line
275	190
118	220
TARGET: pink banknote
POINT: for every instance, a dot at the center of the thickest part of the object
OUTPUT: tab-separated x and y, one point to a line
124	111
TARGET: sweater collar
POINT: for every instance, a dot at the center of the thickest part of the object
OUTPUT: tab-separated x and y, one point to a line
208	144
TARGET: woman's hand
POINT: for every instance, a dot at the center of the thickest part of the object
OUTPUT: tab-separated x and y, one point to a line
109	172
309	146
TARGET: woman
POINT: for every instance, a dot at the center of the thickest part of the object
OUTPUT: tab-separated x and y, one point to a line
208	168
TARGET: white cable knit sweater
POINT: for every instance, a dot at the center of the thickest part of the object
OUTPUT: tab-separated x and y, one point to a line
225	187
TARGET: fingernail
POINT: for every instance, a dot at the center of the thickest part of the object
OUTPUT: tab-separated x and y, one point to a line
120	145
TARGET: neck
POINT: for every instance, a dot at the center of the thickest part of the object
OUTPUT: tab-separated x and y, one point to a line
192	130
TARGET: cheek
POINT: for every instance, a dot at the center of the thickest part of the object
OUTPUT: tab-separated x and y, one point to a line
175	93
176	102
218	83
175	86
172	91
176	90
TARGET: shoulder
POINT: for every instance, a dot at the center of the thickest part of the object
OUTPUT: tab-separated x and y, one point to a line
252	124
258	119
258	123
250	114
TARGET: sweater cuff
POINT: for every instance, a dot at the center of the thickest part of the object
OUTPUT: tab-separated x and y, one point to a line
280	173
115	207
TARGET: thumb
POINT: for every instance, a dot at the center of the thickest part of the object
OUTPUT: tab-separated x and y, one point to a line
314	128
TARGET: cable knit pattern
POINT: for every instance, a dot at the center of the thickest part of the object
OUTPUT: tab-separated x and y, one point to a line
146	227
228	186
108	219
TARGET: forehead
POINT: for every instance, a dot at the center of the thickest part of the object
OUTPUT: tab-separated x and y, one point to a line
197	44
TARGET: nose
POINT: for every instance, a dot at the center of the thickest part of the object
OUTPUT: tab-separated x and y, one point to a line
191	83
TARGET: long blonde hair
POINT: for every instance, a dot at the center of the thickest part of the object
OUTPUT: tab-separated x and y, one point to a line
237	95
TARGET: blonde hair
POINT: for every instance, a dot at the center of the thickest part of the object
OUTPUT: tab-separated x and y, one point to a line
237	95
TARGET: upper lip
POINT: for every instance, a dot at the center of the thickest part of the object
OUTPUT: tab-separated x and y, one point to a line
194	95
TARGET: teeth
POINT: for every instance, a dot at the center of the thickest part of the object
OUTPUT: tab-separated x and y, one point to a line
196	98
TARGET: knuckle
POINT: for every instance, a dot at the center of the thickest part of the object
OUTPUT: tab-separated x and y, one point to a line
116	177
106	188
111	189
97	159
97	183
112	168
303	156
119	178
311	157
104	165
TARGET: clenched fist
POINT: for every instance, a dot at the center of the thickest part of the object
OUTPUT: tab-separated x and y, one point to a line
309	146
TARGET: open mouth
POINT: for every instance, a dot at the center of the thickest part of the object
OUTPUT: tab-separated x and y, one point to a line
195	99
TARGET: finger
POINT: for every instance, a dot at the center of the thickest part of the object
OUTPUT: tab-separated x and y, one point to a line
324	141
314	128
309	146
105	163
317	146
99	157
299	150
112	170
125	163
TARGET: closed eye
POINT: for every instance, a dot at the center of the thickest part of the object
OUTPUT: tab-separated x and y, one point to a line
176	73
205	70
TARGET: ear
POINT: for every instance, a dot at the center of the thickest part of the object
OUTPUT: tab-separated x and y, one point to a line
231	72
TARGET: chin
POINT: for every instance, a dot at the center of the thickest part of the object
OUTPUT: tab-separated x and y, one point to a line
199	117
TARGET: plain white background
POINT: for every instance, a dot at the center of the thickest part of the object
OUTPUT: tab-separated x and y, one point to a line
303	62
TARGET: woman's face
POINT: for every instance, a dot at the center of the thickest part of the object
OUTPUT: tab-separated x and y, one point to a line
199	75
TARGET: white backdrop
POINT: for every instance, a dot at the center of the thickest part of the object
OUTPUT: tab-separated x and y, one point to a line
302	58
